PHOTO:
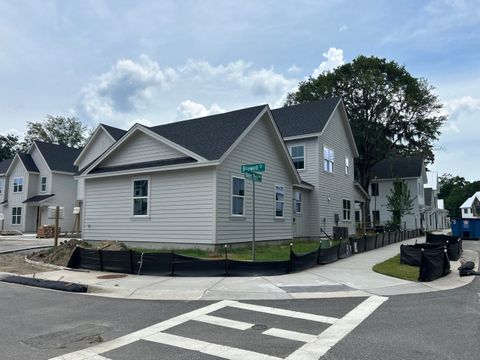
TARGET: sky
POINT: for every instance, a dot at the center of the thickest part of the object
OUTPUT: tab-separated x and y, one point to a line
153	62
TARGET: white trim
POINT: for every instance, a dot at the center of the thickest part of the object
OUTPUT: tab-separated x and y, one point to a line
62	172
275	201
41	155
46	179
290	146
303	136
332	161
148	197
17	216
239	196
348	168
90	141
13	185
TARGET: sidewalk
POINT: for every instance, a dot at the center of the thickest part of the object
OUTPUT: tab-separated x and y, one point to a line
345	278
11	243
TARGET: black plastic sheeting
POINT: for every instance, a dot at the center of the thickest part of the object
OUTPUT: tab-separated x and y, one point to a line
412	254
328	256
258	268
47	284
434	264
454	244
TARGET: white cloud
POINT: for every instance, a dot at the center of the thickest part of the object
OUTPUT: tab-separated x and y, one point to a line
294	68
460	113
189	109
343	28
333	58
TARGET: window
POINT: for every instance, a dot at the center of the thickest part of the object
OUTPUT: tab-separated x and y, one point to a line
279	200
298	156
328	159
140	197
347	165
43	184
374	189
16	215
298	202
238	196
347	208
376	216
17	185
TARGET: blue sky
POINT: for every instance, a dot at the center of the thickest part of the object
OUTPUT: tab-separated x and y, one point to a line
121	62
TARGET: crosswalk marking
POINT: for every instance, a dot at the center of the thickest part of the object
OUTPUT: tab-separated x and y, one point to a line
290	335
233	324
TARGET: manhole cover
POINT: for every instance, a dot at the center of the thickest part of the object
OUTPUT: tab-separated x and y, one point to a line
111	276
259	327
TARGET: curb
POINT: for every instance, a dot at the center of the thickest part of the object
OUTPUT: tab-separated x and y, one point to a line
52	266
25	249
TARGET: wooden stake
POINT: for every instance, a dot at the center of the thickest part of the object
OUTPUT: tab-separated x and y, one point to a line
57	216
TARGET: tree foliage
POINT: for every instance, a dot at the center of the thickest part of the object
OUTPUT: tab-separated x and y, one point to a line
390	111
8	146
455	190
399	203
57	130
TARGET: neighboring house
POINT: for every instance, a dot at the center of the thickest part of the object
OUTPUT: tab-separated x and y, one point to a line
435	216
181	183
383	174
32	181
470	209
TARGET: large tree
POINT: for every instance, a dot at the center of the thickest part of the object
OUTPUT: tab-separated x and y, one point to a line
8	146
58	130
455	190
390	111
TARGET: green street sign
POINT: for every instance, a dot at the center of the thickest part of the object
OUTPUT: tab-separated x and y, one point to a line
253	176
253	167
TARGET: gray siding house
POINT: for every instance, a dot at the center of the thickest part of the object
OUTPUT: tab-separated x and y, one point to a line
42	177
181	183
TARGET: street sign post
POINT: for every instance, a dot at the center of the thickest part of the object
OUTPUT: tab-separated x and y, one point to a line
251	172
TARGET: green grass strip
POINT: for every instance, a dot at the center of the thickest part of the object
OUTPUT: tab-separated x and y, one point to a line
392	267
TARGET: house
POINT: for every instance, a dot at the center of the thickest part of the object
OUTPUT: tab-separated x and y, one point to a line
383	174
181	183
434	214
32	181
470	209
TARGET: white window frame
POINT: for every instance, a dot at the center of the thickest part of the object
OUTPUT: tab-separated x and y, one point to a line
17	218
297	201
328	163
42	189
149	190
16	185
278	201
304	157
237	196
349	209
347	165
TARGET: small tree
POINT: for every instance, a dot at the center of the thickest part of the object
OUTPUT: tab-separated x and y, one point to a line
8	146
399	203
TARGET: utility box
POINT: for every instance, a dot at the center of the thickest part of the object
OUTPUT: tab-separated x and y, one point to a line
340	232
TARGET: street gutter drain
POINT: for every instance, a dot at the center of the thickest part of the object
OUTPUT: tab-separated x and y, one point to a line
259	327
111	276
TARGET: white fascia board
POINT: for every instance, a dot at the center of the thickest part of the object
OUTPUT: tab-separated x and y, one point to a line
304	186
149	170
15	158
90	141
63	172
300	137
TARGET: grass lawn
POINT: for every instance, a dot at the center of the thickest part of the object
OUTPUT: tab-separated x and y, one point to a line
264	252
392	267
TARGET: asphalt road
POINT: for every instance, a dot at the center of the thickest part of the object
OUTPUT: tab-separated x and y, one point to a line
43	324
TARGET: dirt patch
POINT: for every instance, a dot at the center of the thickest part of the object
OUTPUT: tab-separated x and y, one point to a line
61	254
16	264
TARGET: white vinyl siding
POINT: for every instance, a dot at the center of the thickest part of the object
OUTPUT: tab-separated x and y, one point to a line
18	185
16	215
96	147
1	186
297	153
279	200
238	196
328	159
43	184
140	197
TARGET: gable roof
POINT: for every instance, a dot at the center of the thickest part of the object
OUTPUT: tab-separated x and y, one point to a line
209	136
58	157
469	202
305	118
4	165
114	132
408	167
28	162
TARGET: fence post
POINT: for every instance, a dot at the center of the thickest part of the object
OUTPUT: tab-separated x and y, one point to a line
319	250
376	239
365	242
290	262
338	248
172	260
226	260
101	259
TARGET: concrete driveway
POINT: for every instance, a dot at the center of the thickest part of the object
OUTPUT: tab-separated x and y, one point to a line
20	242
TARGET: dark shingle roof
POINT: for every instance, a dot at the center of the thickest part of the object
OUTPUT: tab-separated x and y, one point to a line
116	133
59	157
210	136
407	167
142	165
4	165
28	162
305	118
38	198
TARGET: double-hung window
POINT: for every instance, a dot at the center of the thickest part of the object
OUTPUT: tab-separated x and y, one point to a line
347	208
328	159
43	184
298	202
238	196
298	156
279	200
141	193
18	185
347	165
16	215
374	189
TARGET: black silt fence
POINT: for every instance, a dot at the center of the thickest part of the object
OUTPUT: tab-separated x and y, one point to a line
454	244
344	249
328	255
190	266
434	264
412	254
258	268
379	239
303	261
370	241
154	264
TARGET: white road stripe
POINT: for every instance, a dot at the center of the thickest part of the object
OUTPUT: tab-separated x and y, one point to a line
233	324
327	339
283	312
290	335
223	351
